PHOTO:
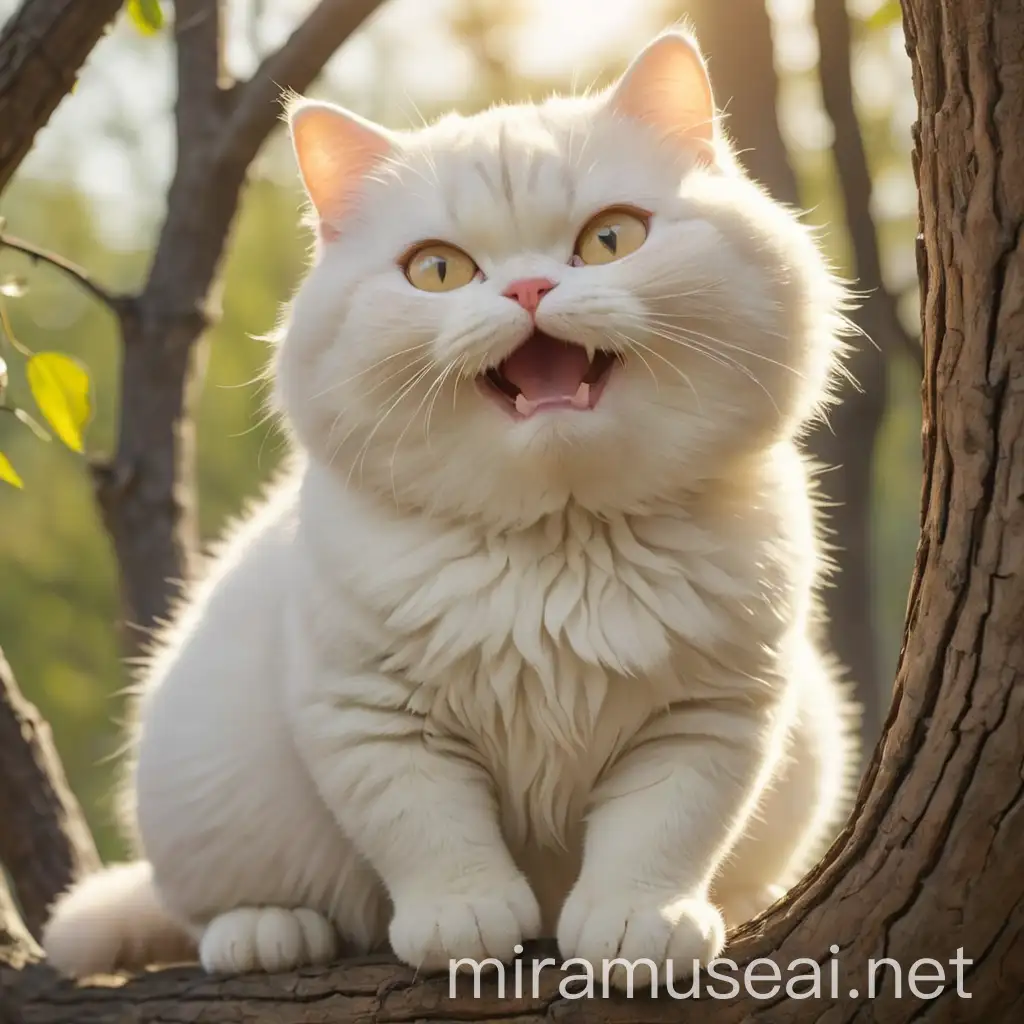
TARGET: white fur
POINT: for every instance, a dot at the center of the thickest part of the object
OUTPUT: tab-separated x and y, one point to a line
459	680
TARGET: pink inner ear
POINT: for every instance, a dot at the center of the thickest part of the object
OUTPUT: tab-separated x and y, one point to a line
335	151
667	87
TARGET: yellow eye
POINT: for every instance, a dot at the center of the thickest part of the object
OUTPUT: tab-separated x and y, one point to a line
438	267
610	236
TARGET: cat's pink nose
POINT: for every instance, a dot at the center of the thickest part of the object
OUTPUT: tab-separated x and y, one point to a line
529	291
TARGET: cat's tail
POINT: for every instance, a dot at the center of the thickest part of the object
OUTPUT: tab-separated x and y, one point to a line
111	921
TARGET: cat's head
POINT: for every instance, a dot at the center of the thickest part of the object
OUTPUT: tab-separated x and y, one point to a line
581	300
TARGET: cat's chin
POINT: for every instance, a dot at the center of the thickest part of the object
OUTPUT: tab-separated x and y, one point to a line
546	374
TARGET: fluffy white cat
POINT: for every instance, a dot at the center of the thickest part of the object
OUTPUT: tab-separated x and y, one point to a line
525	643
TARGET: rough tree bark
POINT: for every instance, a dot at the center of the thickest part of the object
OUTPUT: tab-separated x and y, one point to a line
42	47
743	70
930	861
146	491
45	843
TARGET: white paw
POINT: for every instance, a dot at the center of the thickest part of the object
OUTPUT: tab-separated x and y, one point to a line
598	925
427	933
266	939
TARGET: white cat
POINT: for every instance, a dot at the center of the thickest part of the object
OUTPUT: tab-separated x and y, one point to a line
525	643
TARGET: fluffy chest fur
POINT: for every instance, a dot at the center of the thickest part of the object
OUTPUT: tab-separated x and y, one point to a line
540	653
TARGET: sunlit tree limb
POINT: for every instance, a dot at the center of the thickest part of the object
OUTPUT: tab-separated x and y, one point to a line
43	45
79	275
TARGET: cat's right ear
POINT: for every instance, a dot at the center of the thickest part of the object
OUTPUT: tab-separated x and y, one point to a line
335	150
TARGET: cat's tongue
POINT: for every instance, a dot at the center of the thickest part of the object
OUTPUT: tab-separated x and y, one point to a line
545	368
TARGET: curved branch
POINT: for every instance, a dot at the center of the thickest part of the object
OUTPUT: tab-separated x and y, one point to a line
42	47
45	843
257	102
146	493
77	274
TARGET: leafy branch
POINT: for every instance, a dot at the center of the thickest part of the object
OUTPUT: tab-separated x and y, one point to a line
59	384
81	277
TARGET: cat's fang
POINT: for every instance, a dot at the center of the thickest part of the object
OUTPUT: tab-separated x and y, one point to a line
524	406
581	400
600	364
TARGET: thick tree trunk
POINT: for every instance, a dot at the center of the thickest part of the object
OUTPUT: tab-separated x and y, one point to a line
930	865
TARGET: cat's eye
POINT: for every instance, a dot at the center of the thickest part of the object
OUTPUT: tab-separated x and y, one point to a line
439	267
611	235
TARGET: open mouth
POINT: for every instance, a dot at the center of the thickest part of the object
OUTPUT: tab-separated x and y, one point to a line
547	373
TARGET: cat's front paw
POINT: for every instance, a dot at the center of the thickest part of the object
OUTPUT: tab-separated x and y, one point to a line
600	925
267	939
429	931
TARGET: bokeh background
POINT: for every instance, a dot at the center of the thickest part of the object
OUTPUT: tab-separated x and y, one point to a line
93	191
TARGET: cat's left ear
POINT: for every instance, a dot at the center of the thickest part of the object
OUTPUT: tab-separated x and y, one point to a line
667	87
335	150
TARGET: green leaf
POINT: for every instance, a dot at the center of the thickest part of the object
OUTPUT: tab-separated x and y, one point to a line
8	473
146	15
60	386
885	15
13	287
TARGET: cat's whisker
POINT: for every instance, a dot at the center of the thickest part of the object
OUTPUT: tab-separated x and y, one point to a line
430	408
723	359
720	358
722	343
405	430
713	339
634	345
698	339
628	342
419	113
460	375
370	369
717	314
260	421
403	390
379	384
704	288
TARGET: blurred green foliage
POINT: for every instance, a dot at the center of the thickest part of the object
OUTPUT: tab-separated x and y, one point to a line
58	596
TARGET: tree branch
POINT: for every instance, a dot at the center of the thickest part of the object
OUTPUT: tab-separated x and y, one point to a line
198	31
45	844
257	103
146	494
81	277
42	47
832	22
